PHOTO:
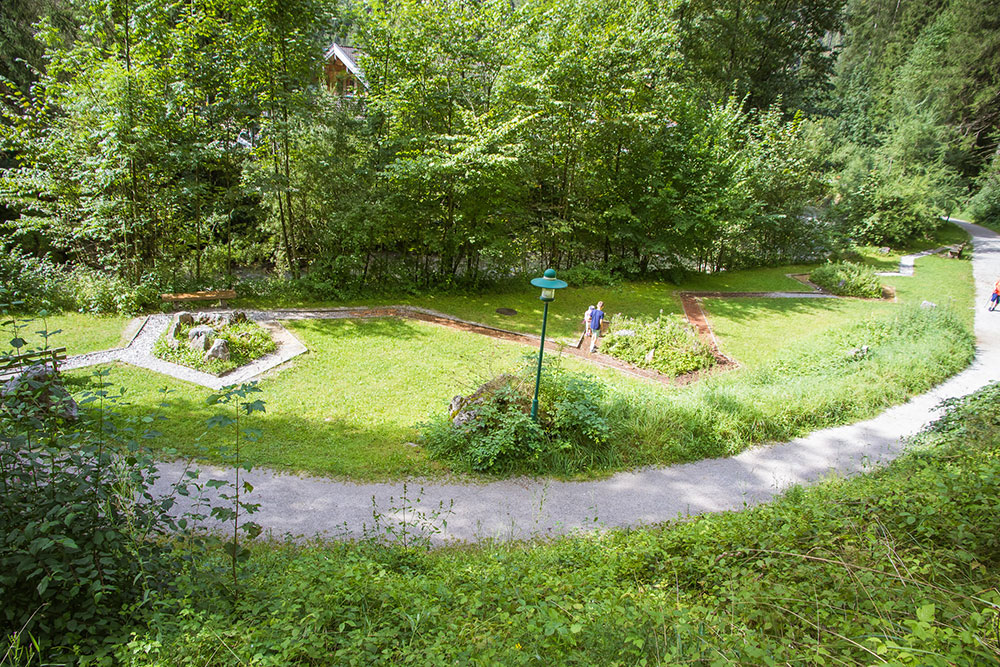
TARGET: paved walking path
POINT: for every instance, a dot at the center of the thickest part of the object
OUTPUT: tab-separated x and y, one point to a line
522	508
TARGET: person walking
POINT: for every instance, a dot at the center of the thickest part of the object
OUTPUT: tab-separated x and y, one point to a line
596	319
995	297
586	320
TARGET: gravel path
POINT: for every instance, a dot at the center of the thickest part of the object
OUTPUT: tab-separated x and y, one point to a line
523	508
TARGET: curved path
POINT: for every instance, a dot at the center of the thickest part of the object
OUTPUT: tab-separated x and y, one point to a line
523	508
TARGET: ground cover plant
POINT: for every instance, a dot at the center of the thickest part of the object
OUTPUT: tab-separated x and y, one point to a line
891	567
667	344
247	342
847	279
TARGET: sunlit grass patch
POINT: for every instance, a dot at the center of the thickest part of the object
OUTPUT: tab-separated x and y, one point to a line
77	332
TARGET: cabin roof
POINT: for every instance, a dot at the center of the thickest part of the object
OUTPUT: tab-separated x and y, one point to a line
347	55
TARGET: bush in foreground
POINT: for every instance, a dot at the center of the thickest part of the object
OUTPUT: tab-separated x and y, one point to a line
848	279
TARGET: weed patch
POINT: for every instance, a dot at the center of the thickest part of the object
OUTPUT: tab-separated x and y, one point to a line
894	567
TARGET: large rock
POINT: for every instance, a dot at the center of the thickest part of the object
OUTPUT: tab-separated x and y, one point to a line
172	341
185	318
201	337
40	387
466	408
216	320
219	350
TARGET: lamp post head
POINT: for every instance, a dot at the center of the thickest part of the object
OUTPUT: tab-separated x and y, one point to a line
549	285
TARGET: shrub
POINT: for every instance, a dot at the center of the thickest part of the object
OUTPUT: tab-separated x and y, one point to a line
34	283
985	204
498	435
881	208
79	547
676	348
848	279
588	274
101	293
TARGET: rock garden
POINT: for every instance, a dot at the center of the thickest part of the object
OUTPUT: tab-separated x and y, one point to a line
213	342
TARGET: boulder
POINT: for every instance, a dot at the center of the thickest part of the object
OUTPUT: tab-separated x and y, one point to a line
41	387
239	316
172	341
215	319
219	350
201	337
465	408
884	250
185	318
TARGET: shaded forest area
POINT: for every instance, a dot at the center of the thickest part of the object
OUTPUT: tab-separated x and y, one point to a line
170	145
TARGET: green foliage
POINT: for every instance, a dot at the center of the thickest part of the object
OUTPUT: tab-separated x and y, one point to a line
891	210
38	282
80	550
985	205
196	141
100	292
33	283
848	279
247	341
492	430
675	346
588	274
890	566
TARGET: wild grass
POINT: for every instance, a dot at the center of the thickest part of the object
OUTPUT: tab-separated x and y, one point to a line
821	385
897	567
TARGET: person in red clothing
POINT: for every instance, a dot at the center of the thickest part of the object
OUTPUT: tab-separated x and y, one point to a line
995	297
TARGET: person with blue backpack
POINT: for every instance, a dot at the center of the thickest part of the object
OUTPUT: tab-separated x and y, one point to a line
596	319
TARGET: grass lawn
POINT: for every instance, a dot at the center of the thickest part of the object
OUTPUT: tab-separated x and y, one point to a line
349	406
566	312
754	331
77	332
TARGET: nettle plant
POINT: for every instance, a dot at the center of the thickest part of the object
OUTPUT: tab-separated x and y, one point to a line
81	551
86	545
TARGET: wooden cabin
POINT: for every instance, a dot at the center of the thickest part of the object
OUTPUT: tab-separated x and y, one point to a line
341	71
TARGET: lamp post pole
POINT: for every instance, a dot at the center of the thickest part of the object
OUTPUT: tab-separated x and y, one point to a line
538	375
549	285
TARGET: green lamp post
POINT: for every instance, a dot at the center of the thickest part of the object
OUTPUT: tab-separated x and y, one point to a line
549	285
